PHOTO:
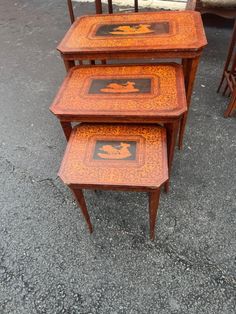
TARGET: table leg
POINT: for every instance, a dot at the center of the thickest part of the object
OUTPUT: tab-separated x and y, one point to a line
79	197
171	132
190	69
154	197
67	128
69	64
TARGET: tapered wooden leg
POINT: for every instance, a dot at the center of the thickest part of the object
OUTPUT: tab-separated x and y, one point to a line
190	69
182	129
232	105
171	132
67	128
79	197
69	64
154	197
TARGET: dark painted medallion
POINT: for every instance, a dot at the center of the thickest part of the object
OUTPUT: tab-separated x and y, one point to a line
115	150
133	29
120	86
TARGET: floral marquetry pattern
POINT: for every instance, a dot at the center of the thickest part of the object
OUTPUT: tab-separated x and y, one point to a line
125	91
138	31
116	155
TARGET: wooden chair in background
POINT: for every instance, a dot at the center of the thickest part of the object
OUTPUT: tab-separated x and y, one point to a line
229	75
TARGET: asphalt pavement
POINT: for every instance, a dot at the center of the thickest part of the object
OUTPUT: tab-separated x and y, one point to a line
48	261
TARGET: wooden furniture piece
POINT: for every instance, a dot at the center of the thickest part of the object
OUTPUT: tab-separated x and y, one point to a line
229	75
224	8
138	35
116	157
99	9
127	94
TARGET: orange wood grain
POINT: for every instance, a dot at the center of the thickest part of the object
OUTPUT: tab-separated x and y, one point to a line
186	33
148	170
166	98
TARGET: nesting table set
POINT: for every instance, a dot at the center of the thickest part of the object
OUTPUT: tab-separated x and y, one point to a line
129	115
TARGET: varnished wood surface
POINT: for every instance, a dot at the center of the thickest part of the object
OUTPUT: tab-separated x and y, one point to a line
142	32
122	93
106	155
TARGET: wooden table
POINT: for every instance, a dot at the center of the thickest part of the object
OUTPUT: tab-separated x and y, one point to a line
127	94
138	35
116	157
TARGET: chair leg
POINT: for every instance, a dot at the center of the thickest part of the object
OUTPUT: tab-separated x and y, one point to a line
154	197
98	5
79	197
226	88
71	11
221	82
229	56
231	106
171	132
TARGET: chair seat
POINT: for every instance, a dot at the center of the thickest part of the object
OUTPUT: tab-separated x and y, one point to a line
118	155
226	4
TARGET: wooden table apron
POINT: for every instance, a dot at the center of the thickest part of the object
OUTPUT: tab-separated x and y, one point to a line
190	62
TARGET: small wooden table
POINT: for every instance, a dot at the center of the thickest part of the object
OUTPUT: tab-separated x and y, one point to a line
138	35
116	157
127	94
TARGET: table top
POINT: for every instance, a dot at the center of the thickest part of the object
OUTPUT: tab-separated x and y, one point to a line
118	155
98	93
142	32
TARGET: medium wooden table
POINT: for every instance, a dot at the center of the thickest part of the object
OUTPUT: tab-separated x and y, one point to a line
127	94
138	35
116	157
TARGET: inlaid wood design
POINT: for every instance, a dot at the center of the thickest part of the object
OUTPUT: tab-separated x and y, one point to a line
125	91
118	154
120	86
133	29
121	32
115	150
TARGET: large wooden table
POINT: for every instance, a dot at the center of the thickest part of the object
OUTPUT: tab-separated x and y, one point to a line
156	35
